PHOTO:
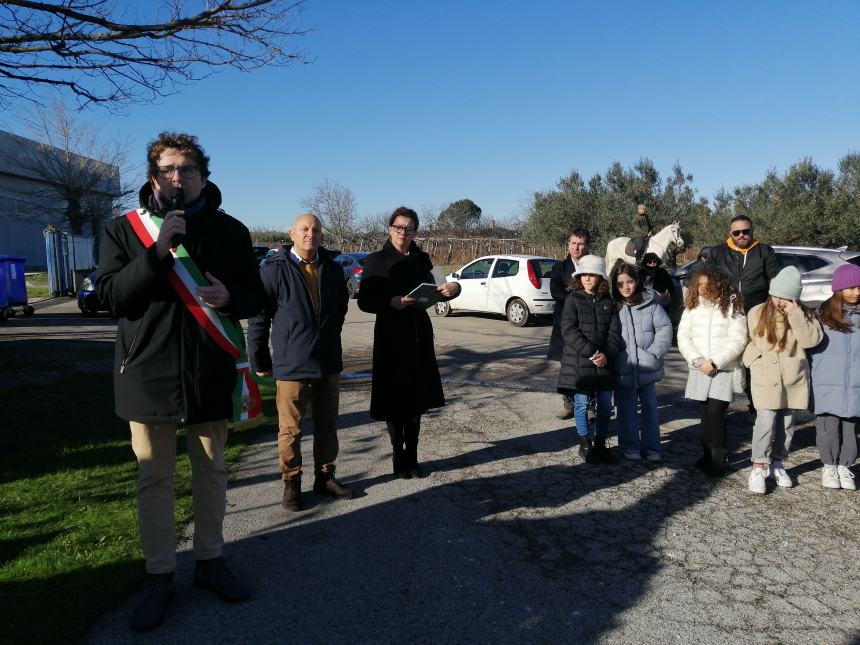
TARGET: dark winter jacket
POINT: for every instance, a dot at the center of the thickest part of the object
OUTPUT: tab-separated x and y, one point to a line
559	281
589	324
749	272
167	368
406	379
303	346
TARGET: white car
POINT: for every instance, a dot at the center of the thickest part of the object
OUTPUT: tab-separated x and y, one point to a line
514	285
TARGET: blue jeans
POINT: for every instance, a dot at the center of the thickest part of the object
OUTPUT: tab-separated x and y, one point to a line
580	413
636	435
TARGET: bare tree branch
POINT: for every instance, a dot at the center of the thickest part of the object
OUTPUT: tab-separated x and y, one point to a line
113	55
335	206
76	167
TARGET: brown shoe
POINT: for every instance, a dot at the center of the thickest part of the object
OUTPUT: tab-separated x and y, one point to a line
292	500
325	484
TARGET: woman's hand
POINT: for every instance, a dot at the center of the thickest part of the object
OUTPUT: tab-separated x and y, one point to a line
401	302
449	289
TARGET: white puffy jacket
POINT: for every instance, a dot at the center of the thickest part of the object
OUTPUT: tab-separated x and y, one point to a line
704	332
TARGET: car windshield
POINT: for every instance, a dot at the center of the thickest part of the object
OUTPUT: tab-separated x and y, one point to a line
543	266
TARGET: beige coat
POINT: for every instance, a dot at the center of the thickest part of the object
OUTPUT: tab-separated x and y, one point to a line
780	380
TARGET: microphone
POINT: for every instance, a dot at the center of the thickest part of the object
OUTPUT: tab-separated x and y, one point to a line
177	203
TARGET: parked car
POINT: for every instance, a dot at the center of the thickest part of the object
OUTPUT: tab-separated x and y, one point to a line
816	266
514	285
352	265
88	299
261	250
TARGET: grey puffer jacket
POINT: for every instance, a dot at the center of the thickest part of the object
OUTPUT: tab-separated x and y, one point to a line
836	370
647	333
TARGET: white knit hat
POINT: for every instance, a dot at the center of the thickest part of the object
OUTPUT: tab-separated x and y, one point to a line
591	264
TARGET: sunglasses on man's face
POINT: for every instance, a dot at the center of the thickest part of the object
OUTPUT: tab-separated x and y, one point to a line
741	231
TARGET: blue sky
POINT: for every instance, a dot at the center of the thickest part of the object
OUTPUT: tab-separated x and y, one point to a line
424	103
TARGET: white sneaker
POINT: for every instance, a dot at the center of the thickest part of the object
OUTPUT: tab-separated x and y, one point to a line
632	455
830	477
756	482
846	478
777	472
653	455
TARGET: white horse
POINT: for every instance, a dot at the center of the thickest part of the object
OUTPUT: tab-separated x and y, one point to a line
657	243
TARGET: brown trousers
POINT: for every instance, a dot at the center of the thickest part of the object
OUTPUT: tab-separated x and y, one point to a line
154	446
292	399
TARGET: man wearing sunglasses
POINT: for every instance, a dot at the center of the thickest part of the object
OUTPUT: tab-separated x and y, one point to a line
750	266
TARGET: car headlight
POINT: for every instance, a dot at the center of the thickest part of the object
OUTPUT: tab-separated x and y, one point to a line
88	284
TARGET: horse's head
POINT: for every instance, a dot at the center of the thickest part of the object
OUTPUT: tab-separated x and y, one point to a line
675	227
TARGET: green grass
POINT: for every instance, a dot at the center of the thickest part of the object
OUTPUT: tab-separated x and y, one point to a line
37	285
68	535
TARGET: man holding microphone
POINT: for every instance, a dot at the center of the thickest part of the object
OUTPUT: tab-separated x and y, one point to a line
179	273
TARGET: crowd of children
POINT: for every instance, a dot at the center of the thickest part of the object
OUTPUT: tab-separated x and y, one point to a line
616	335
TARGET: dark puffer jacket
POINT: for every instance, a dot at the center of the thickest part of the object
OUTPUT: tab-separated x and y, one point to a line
303	346
749	272
589	324
559	279
167	368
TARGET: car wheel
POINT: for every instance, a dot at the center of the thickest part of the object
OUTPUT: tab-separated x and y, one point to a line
442	309
518	312
350	287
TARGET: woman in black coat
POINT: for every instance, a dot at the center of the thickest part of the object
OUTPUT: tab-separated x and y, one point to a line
406	379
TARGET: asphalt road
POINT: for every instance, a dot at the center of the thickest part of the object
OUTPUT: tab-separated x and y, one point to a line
511	538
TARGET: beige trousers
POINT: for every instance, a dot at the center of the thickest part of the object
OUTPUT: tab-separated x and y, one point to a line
154	446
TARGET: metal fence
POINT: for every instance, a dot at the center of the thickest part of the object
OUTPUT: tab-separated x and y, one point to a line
69	256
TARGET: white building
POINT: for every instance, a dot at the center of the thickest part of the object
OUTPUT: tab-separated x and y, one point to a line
28	204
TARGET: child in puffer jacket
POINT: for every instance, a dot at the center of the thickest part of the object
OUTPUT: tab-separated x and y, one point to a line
836	380
781	330
592	340
711	336
647	333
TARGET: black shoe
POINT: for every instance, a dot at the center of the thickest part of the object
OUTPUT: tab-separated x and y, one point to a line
595	455
326	484
152	608
292	500
214	575
585	447
603	452
415	472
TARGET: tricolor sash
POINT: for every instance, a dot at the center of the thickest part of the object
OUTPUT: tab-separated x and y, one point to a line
185	277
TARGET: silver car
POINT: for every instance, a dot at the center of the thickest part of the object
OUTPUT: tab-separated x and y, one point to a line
816	266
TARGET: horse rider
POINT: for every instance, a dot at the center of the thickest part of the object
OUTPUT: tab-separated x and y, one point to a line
642	231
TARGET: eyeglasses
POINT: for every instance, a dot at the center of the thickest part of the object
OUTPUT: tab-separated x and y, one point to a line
741	231
404	229
184	171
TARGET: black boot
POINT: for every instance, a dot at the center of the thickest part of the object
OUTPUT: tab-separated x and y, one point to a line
410	436
704	462
153	605
718	462
398	456
585	446
600	447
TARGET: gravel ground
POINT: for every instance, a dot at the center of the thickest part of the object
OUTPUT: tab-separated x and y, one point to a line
511	538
